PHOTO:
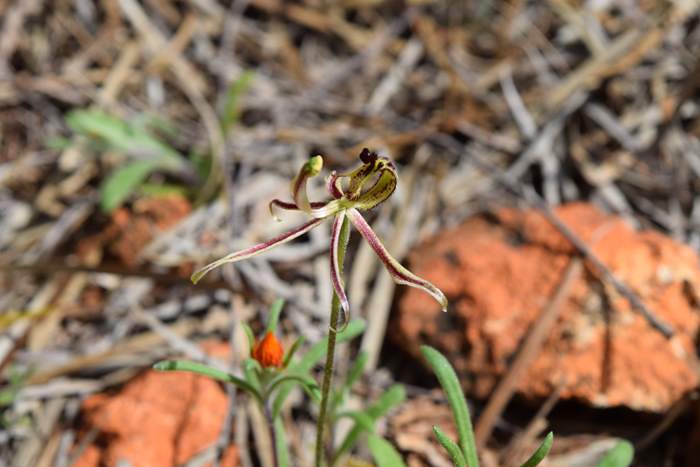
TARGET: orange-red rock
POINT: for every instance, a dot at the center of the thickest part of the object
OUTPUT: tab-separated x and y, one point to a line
157	419
499	273
130	229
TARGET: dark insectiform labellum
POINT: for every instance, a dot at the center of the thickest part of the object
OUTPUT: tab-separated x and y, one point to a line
367	156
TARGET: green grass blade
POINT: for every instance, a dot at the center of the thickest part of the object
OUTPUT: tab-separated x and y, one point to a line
204	370
621	455
384	454
453	390
451	447
274	318
541	452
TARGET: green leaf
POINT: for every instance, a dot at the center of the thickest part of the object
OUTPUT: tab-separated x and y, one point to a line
384	454
281	443
98	124
232	106
356	370
391	398
460	411
621	455
394	396
251	337
133	140
274	318
362	419
301	378
292	350
123	182
251	370
451	447
314	354
194	367
541	452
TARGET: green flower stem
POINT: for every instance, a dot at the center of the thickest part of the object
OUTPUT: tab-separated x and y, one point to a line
330	352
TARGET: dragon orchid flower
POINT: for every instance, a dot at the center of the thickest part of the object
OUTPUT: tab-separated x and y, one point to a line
358	190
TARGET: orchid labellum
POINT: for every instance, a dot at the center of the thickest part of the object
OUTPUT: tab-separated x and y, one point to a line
367	186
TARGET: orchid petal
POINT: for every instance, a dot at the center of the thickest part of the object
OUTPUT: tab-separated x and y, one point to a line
400	274
336	275
359	176
256	249
333	185
316	207
382	188
311	168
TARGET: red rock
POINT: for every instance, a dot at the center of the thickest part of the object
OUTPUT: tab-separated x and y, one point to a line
500	273
131	229
157	419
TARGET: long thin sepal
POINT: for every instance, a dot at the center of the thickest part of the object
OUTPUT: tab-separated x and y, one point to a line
257	249
400	274
336	276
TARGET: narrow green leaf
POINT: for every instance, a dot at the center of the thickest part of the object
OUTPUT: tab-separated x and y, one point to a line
281	443
232	106
123	182
292	350
251	370
541	451
312	356
391	398
98	124
384	454
453	390
274	318
451	447
133	140
250	336
194	367
394	396
301	378
356	370
621	455
361	419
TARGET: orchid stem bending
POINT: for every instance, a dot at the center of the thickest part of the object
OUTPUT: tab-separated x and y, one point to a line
330	350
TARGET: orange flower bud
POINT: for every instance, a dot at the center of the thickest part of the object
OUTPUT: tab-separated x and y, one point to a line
268	351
